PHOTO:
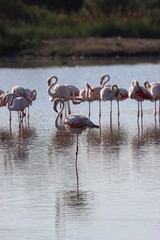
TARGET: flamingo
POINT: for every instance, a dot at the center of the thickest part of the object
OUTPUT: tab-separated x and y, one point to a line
65	92
73	123
5	98
29	94
54	85
18	104
114	93
91	94
123	95
109	94
154	90
139	93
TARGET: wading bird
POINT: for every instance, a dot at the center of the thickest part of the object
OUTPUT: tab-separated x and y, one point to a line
18	104
139	93
73	123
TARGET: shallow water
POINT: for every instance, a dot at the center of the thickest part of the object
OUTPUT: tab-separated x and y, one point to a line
117	190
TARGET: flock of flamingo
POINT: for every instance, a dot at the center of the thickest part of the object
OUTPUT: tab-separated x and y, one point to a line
19	99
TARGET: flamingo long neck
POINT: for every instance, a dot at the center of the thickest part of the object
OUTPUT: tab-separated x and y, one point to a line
104	83
147	85
10	103
52	85
50	80
57	125
88	88
102	79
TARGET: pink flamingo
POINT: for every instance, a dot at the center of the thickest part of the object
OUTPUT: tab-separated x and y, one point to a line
73	123
154	90
65	92
21	92
114	93
139	93
123	95
91	94
109	94
149	86
5	98
29	94
18	104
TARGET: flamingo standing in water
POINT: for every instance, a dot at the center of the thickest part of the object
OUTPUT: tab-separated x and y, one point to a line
73	123
29	94
139	93
65	92
91	94
154	89
109	94
114	93
4	100
18	104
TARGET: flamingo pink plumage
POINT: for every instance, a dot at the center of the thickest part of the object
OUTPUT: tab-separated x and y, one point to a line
73	123
154	90
65	92
18	104
91	94
139	93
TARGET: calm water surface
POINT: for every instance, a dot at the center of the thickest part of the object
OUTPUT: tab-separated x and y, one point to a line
116	193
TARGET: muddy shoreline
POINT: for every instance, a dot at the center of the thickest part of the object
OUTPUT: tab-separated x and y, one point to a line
83	51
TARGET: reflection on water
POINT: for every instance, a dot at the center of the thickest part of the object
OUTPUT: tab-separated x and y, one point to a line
146	136
15	144
113	193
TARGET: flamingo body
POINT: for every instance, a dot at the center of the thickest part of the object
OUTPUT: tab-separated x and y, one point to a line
18	104
73	123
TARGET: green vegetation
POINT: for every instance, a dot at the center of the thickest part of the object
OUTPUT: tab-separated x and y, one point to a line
25	23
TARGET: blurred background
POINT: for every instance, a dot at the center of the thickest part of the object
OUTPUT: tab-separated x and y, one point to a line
24	24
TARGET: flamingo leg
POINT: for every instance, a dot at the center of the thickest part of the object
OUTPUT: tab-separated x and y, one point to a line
155	110
77	166
138	111
10	117
99	109
65	110
118	112
89	109
110	109
141	109
118	108
28	115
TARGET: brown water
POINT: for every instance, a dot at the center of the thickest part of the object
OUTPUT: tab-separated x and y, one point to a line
116	193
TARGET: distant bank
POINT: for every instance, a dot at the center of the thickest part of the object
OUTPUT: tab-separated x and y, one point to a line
63	51
99	47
